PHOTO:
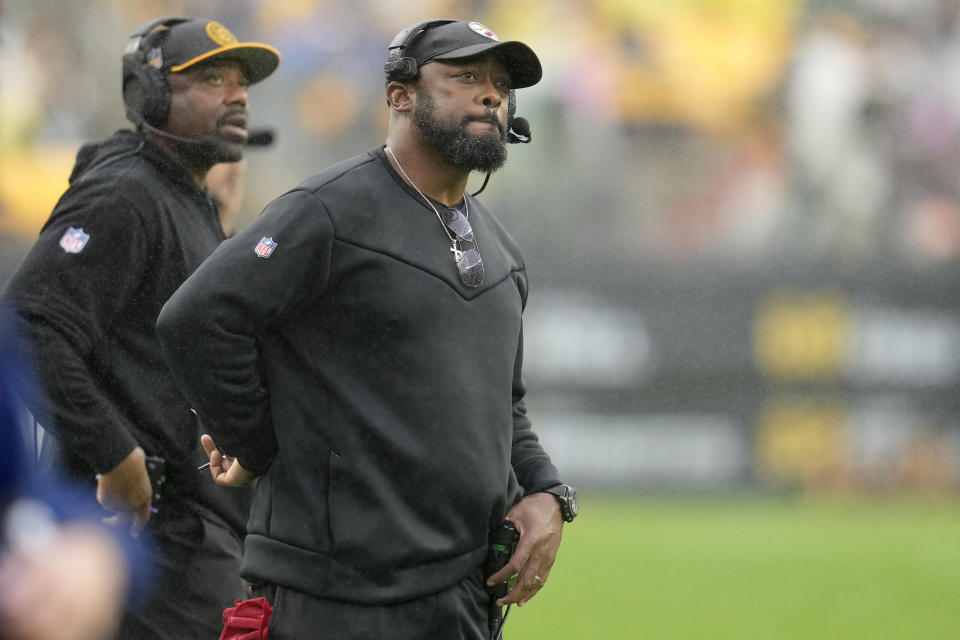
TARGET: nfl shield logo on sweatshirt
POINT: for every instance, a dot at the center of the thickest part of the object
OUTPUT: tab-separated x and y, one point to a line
265	247
74	240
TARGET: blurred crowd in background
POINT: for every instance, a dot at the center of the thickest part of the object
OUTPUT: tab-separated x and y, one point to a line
697	168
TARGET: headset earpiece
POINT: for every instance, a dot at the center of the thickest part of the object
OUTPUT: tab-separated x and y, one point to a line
404	68
146	92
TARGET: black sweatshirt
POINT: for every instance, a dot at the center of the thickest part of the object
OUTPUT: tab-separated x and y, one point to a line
380	398
129	230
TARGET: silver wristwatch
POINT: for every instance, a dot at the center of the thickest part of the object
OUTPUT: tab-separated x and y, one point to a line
567	498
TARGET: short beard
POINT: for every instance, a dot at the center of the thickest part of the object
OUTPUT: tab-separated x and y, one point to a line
484	152
209	150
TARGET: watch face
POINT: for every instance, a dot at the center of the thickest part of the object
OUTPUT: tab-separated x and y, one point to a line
573	502
569	502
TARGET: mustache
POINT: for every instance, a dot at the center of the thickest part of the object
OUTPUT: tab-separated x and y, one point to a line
230	115
489	119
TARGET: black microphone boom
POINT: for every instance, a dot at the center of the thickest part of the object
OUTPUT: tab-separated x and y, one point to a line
166	134
262	137
519	131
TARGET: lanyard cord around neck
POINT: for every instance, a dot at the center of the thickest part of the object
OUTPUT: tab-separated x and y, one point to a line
466	205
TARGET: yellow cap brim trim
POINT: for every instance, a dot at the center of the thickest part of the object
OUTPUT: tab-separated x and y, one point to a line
229	47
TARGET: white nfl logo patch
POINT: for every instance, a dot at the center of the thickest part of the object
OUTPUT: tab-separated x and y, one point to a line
74	240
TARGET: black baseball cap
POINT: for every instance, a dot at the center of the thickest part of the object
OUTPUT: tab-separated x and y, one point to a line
458	39
189	42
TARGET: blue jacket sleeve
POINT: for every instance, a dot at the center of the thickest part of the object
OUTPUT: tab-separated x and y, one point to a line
57	500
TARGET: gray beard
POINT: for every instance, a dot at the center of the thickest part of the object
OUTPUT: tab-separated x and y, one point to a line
485	152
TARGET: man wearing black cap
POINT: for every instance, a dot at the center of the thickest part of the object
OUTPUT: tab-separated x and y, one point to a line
358	348
136	220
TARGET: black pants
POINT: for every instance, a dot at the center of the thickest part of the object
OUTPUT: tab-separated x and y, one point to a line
196	559
459	613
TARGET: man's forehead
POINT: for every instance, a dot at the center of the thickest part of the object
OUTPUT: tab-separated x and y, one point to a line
487	57
213	63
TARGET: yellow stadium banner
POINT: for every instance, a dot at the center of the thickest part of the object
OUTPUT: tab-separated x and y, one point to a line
31	182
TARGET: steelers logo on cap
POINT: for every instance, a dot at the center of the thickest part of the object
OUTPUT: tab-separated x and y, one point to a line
484	31
220	34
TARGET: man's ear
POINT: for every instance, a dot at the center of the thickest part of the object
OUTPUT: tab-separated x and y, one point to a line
400	96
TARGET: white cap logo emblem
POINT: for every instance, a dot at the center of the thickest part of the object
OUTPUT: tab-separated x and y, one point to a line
482	30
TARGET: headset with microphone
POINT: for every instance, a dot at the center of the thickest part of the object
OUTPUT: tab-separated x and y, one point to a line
146	92
405	69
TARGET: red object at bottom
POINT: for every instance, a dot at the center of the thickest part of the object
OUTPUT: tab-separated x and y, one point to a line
247	620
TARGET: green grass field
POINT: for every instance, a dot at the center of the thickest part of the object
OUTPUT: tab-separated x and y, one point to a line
778	568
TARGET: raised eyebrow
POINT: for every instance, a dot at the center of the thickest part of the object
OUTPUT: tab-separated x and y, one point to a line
243	79
223	69
456	70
